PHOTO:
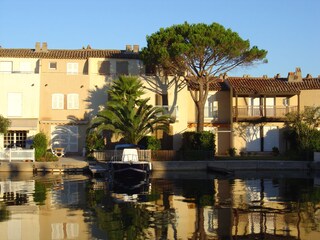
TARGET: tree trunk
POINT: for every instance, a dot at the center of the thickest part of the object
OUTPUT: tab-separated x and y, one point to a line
200	115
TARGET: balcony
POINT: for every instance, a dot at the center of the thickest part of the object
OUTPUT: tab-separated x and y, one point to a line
211	112
170	110
269	113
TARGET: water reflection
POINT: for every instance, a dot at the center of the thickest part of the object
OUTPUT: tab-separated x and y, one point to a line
175	205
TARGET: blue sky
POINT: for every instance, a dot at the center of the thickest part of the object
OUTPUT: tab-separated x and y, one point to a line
288	29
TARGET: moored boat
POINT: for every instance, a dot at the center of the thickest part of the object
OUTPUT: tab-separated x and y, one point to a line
125	164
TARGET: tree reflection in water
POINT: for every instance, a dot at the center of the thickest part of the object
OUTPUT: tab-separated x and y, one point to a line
219	208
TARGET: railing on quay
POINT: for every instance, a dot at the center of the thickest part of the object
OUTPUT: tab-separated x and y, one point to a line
13	154
157	155
108	155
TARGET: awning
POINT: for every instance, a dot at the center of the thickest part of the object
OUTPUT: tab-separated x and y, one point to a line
23	124
63	122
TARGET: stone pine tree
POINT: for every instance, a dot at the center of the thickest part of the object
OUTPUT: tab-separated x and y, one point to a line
198	54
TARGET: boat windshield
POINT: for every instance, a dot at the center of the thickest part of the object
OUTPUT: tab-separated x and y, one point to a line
123	146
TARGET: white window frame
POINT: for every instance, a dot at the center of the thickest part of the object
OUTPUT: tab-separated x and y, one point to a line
14	104
6	66
72	68
57	101
73	101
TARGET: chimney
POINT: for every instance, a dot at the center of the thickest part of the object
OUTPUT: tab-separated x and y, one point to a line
309	76
135	48
295	76
128	48
37	48
298	75
223	76
277	76
291	77
44	47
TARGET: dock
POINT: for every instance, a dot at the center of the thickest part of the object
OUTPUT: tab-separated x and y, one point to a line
97	169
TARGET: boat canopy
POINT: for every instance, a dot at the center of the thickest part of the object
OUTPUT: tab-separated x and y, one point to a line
127	145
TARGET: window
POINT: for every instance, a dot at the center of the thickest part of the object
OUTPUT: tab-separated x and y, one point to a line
72	68
6	67
53	65
57	101
104	67
15	139
14	105
211	107
73	101
122	67
25	67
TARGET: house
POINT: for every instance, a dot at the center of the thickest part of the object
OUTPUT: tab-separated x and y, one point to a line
58	91
259	107
249	113
19	96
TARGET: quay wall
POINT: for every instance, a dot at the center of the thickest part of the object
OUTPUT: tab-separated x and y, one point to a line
232	165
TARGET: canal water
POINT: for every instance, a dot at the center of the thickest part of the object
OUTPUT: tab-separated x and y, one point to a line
168	205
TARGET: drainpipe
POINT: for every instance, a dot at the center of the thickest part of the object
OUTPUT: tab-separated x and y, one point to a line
298	103
231	117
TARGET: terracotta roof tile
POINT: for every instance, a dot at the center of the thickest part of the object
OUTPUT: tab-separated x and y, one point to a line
249	85
215	85
67	54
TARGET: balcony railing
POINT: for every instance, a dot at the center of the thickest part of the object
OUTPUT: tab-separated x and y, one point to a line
261	111
211	112
170	110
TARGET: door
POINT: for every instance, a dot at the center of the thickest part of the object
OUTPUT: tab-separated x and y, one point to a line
271	137
253	139
65	137
270	112
254	107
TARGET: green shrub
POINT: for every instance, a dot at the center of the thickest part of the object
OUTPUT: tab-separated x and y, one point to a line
94	141
232	152
198	141
40	144
48	157
150	142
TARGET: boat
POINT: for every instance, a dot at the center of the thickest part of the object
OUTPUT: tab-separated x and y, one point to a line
125	164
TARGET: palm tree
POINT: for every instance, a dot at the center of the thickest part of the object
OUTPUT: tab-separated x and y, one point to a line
128	115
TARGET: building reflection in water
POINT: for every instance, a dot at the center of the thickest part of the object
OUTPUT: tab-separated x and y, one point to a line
33	214
180	206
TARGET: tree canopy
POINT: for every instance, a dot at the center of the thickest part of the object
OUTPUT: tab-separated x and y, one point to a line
198	53
303	129
4	124
127	114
